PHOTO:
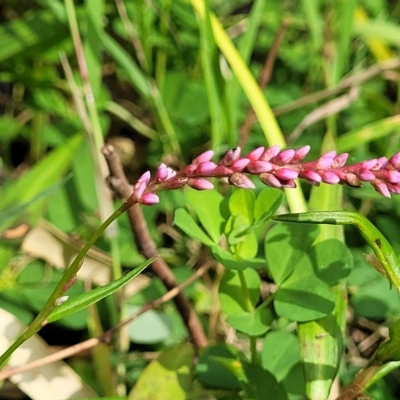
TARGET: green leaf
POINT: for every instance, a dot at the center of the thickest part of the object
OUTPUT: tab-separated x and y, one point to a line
168	377
254	324
185	221
79	303
332	260
267	202
247	248
302	296
228	260
207	205
149	328
280	352
286	246
241	203
231	294
261	384
212	372
32	33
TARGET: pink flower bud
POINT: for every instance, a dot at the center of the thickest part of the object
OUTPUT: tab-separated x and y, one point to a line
200	184
203	157
221	171
241	180
258	167
353	179
311	176
139	188
231	156
392	176
270	153
255	154
145	178
149	199
381	187
270	180
326	160
366	175
330	177
394	188
161	173
284	157
369	164
286	174
381	162
340	160
205	168
395	160
189	170
300	153
240	165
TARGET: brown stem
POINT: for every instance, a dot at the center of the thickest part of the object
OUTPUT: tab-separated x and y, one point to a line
264	78
353	390
148	248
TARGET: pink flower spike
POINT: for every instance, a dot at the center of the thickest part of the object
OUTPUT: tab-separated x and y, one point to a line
255	154
300	153
205	167
145	178
366	175
284	157
311	176
200	184
381	188
270	153
241	180
330	177
240	165
286	174
395	160
258	167
270	180
161	173
203	157
149	199
231	156
340	160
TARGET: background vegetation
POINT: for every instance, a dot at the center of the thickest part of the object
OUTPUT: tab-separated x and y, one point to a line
163	81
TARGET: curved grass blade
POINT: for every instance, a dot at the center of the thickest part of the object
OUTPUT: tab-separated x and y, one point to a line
379	244
79	303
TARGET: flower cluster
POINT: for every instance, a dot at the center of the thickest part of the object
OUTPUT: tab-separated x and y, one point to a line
275	167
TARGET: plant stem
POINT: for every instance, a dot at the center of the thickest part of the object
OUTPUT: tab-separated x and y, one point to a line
250	309
69	274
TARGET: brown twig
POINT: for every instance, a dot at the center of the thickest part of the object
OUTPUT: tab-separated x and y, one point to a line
106	336
264	78
148	248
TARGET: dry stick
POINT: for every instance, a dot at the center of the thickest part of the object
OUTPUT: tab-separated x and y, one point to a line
147	246
106	336
348	82
264	78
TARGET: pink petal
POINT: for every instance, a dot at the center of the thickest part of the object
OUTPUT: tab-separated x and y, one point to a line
200	184
271	180
311	176
161	173
300	153
205	167
366	175
340	160
395	160
240	165
145	178
286	174
203	157
381	188
149	199
330	177
270	153
258	167
284	157
241	180
255	154
231	156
